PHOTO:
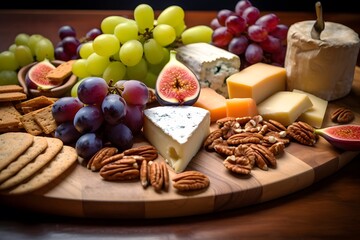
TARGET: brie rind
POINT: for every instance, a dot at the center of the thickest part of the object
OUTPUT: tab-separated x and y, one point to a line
177	132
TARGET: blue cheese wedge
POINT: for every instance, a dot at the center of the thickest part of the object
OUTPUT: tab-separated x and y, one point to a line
177	132
211	65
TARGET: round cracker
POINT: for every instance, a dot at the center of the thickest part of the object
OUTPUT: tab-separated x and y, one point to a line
12	145
63	160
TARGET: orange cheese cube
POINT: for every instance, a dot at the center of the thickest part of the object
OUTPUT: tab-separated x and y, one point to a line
212	101
258	81
241	107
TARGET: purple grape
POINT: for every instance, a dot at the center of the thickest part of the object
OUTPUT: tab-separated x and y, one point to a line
66	31
254	53
257	33
135	92
251	14
223	14
235	24
271	44
241	6
280	31
92	90
67	133
269	21
221	37
88	119
238	45
113	108
134	118
65	108
93	33
119	135
60	54
87	145
70	45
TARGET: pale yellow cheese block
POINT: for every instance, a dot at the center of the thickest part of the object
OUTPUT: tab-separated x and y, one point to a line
257	81
315	115
284	107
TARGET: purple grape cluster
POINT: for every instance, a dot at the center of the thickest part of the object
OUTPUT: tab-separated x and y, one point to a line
254	38
101	114
68	46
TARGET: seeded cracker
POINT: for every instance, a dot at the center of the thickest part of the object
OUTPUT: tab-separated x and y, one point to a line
38	146
54	147
12	145
63	160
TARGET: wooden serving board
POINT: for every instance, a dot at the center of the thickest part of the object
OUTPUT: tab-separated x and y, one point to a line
83	193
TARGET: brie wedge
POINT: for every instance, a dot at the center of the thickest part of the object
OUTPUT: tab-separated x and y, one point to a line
177	132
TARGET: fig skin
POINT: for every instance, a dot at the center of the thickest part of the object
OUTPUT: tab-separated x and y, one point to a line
176	84
36	76
345	137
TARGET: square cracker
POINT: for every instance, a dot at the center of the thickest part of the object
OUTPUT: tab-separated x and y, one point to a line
35	103
9	116
45	119
28	122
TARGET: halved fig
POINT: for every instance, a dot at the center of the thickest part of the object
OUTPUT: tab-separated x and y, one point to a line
345	137
36	76
176	84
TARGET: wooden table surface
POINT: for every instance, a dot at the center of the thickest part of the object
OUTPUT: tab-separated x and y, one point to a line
329	208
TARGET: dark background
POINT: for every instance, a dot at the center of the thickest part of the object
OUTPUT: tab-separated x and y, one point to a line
201	5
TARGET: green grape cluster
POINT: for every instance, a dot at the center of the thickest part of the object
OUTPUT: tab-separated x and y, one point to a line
137	48
26	49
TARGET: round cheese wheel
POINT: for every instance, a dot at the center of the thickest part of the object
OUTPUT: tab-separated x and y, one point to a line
322	67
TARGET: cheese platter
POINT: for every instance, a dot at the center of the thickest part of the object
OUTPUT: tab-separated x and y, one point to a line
84	192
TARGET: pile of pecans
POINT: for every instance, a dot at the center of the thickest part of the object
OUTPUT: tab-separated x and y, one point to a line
247	142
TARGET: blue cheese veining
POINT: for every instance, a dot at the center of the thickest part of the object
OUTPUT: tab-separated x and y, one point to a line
211	65
176	132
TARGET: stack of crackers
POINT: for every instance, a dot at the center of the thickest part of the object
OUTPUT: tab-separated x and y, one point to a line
29	162
33	115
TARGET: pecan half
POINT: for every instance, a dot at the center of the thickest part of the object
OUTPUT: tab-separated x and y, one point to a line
246	137
144	179
263	155
230	128
277	148
224	150
159	176
342	115
302	133
190	180
146	151
95	163
274	125
123	169
238	164
211	138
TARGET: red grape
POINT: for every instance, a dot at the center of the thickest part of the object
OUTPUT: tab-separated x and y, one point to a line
66	31
235	24
92	90
257	33
134	118
70	45
280	31
93	33
241	6
65	108
271	44
269	21
254	53
221	37
251	14
214	24
135	92
238	45
223	15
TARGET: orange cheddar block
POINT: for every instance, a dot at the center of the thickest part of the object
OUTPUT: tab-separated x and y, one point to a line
212	101
258	81
241	107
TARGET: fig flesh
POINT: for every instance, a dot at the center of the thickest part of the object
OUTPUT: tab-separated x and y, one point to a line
345	137
36	76
176	84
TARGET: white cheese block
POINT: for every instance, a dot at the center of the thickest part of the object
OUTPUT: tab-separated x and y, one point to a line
284	107
211	65
177	132
325	67
315	115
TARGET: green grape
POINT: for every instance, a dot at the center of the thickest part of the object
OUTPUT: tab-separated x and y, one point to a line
139	71
150	80
74	89
79	68
144	16
8	77
12	47
153	51
44	49
115	71
200	33
131	52
126	31
116	56
179	29
22	39
8	61
156	68
96	64
23	55
86	50
173	16
109	23
106	45
33	40
164	34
